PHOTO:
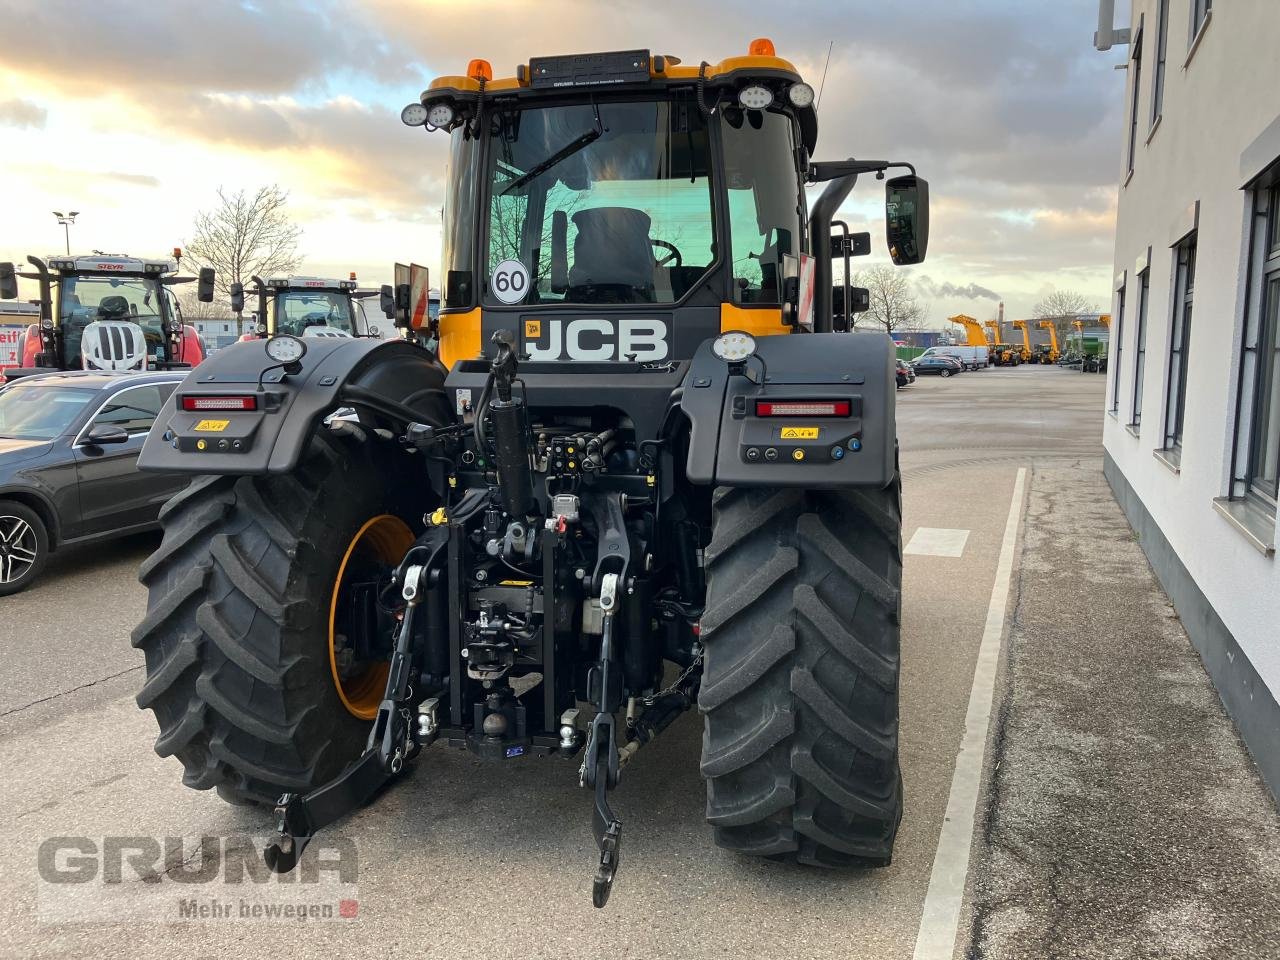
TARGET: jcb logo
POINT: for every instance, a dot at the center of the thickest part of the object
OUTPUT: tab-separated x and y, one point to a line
638	339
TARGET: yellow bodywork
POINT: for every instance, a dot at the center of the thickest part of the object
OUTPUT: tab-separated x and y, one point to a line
671	71
972	328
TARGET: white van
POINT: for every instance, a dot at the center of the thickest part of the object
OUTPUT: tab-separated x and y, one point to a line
972	357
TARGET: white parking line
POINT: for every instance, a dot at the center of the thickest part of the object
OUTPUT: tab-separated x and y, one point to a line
940	921
937	542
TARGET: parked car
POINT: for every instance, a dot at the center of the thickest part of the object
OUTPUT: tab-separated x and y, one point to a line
942	366
971	358
905	373
69	445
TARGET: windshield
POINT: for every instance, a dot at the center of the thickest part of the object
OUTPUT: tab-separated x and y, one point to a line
35	412
614	210
299	310
86	299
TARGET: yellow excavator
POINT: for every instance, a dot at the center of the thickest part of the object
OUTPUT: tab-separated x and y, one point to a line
1025	351
1051	353
1002	354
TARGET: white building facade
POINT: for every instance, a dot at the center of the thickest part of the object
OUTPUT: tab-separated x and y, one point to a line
1192	432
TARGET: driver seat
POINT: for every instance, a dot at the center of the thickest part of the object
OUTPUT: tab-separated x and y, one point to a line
613	258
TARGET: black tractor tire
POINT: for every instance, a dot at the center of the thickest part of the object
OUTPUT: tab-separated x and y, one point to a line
24	546
800	675
236	634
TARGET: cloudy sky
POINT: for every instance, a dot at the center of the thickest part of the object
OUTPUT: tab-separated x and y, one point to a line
135	113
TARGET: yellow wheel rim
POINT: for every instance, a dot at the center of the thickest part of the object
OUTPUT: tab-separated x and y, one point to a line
384	539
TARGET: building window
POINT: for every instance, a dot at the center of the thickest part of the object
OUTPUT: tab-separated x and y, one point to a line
1135	68
1179	341
1200	10
1114	361
1140	347
1256	470
1162	37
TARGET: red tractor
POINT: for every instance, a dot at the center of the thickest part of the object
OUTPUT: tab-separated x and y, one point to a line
106	312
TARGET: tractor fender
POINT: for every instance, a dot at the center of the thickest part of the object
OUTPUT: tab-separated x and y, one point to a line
733	443
289	407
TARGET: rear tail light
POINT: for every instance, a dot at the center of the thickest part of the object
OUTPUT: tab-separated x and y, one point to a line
802	408
220	403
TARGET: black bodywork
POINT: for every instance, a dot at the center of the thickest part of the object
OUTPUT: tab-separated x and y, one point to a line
81	491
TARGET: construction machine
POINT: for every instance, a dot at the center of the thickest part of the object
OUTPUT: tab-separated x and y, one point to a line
974	335
1024	352
644	471
1002	354
106	312
1049	353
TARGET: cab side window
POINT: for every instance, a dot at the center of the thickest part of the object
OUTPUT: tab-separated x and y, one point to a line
134	409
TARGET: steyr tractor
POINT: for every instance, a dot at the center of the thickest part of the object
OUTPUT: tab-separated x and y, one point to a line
646	469
306	307
106	312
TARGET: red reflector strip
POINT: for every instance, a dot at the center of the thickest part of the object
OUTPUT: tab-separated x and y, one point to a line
802	408
219	403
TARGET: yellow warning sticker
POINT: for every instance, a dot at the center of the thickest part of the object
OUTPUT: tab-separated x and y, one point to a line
211	426
532	329
799	433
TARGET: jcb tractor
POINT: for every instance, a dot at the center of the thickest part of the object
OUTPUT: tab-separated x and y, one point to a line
646	471
306	307
106	312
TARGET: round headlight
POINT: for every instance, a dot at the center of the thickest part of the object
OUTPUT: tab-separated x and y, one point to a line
755	97
46	324
800	94
734	346
414	115
440	115
286	349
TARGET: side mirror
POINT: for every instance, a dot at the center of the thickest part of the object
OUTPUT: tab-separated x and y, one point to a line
906	215
105	434
204	288
8	282
387	301
859	299
237	297
404	300
856	245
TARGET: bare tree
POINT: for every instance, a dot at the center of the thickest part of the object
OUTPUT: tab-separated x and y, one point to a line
892	308
1062	307
1064	304
246	235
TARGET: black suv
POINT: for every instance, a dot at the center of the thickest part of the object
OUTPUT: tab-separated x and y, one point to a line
69	446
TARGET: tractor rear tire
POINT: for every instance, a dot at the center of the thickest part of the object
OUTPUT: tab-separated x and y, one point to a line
800	677
236	634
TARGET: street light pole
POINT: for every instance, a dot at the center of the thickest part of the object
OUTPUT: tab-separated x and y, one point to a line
66	219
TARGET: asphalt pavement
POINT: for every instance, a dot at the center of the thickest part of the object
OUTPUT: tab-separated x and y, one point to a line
471	859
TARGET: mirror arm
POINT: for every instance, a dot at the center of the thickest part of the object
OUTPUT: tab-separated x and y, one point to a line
834	169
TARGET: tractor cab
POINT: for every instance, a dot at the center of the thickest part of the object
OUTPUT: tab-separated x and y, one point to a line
311	307
106	312
622	206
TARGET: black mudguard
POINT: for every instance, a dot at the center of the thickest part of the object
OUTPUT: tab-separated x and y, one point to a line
731	445
289	407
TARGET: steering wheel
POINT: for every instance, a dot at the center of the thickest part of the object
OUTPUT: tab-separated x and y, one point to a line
673	255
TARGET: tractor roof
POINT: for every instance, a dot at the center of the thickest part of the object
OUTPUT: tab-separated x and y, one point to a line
625	71
112	263
311	283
